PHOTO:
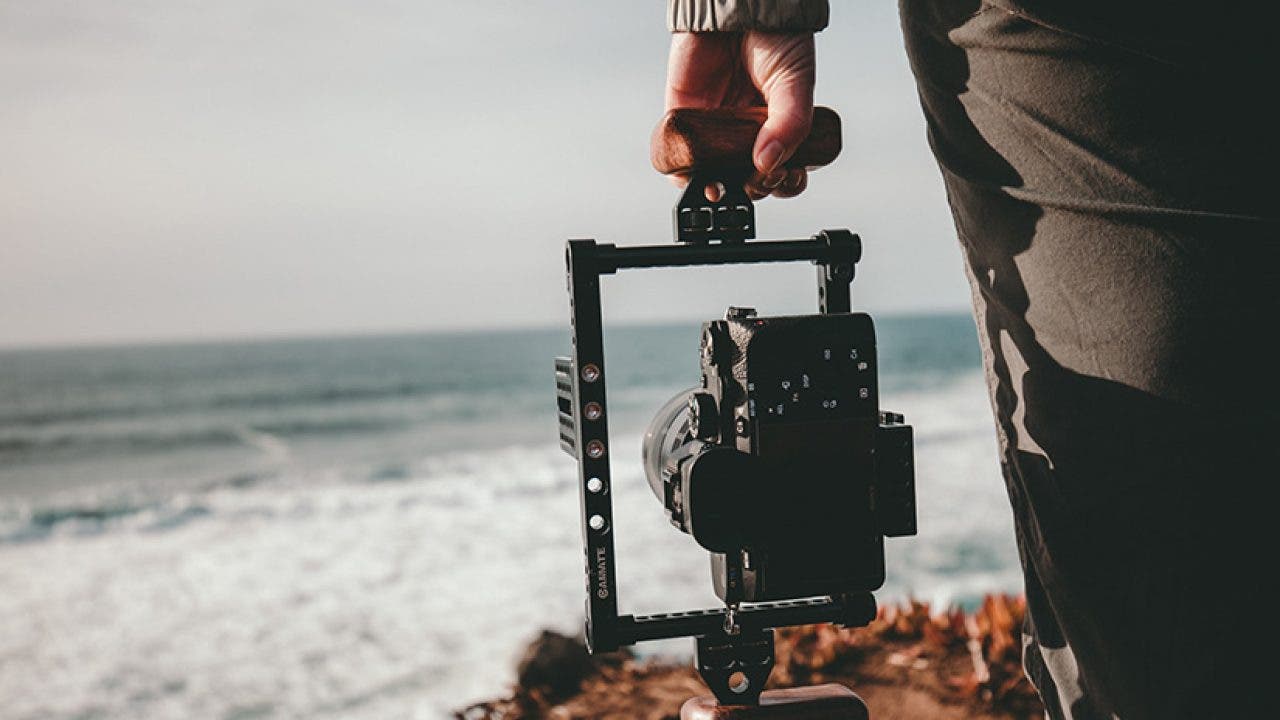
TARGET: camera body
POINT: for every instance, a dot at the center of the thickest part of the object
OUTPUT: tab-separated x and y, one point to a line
782	464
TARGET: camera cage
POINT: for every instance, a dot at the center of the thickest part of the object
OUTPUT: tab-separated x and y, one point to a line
729	640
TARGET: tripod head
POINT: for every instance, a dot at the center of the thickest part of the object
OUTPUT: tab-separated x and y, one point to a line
770	425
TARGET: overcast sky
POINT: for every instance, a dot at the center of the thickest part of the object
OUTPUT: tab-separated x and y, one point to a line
172	169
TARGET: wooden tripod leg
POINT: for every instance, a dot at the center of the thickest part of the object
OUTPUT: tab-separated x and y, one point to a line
818	702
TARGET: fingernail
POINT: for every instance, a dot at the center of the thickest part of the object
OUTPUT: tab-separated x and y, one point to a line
769	157
773	179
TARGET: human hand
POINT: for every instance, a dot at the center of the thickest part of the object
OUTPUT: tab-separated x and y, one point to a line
776	70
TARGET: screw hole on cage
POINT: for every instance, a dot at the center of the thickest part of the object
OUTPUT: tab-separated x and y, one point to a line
595	485
597	523
739	683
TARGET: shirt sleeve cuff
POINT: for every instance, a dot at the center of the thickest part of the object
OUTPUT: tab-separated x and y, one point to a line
742	15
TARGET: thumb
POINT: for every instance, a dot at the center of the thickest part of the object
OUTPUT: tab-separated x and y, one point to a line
783	67
790	103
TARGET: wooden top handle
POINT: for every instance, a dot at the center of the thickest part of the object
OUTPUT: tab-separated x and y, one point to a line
690	139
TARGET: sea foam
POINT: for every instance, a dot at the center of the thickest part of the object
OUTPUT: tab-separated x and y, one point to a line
328	592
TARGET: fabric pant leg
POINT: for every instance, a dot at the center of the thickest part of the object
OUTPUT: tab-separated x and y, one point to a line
1122	243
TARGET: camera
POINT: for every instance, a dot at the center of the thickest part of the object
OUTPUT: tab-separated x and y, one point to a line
782	464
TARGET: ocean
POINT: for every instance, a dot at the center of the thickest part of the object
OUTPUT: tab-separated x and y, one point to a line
373	527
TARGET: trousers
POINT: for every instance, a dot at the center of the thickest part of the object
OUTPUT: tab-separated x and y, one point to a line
1114	178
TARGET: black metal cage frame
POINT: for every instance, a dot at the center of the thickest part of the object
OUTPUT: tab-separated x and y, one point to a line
584	431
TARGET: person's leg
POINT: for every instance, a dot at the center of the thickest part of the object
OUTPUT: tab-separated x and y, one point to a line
1123	246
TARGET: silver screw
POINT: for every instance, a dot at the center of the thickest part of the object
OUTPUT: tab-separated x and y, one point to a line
731	626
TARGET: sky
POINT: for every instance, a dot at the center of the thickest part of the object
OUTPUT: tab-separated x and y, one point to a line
182	170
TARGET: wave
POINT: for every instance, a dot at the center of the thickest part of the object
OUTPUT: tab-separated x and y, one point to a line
269	437
24	525
466	477
16	447
273	398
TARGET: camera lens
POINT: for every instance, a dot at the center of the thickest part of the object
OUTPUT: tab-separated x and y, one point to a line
667	432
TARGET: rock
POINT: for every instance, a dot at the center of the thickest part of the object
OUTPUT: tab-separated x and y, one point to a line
555	665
